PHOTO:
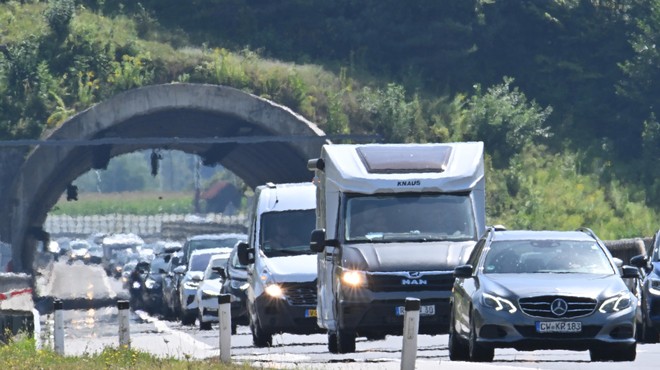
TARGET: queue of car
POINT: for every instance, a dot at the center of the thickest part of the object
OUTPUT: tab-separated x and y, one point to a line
384	222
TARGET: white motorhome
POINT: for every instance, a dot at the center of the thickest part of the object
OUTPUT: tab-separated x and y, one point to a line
281	269
393	220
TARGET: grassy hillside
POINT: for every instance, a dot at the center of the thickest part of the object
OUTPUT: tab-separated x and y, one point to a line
61	57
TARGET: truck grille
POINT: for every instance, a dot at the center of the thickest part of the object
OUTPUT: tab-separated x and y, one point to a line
541	306
300	294
413	281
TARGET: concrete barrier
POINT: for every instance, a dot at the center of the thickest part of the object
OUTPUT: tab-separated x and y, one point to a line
16	306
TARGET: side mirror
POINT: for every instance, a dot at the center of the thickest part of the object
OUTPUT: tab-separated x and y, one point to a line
221	271
161	270
463	271
317	241
618	262
245	253
640	261
630	272
197	278
180	270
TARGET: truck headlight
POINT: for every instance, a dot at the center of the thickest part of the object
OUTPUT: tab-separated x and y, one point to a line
354	278
274	291
616	303
498	303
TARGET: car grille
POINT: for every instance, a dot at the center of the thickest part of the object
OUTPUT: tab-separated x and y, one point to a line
540	306
398	281
300	294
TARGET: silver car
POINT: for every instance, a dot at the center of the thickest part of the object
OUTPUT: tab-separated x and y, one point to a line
533	290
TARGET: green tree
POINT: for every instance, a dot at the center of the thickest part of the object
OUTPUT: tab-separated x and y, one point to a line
505	120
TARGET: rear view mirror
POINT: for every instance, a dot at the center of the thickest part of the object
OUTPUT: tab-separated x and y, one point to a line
463	271
221	271
245	253
317	240
640	261
630	272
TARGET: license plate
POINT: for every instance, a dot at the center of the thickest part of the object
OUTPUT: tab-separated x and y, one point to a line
558	326
310	313
428	310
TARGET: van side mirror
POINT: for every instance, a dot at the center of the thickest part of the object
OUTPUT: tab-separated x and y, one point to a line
640	261
317	240
245	253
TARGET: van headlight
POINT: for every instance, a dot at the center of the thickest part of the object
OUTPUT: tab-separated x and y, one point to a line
616	303
274	291
354	278
498	303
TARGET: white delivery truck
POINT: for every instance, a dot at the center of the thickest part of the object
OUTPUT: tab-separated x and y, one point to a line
393	220
281	269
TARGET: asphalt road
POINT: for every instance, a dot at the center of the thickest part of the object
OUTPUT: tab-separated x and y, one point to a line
91	324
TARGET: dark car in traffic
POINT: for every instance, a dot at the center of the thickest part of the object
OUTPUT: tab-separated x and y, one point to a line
650	307
532	290
235	284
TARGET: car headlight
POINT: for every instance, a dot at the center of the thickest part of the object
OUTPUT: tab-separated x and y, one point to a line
118	268
236	284
190	285
616	303
498	303
354	278
654	286
136	285
274	291
151	284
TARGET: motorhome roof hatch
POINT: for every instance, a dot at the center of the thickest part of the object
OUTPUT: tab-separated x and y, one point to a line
388	159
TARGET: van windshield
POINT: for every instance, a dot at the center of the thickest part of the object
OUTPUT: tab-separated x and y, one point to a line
409	217
286	233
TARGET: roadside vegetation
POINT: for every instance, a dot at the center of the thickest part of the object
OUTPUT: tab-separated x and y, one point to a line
135	203
569	124
21	353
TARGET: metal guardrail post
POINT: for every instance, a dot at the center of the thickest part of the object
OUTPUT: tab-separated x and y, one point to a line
224	318
124	329
410	329
58	335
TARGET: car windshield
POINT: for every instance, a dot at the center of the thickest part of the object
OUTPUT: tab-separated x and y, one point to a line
546	256
409	217
200	244
198	262
287	233
212	273
158	264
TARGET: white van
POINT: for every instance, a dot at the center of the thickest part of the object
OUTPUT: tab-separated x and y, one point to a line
281	269
393	221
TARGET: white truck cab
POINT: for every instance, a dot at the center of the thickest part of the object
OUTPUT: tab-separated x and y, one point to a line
281	269
393	220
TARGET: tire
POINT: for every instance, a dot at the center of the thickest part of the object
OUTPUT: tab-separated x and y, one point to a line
188	318
332	342
476	351
458	349
345	341
204	325
376	336
260	337
234	329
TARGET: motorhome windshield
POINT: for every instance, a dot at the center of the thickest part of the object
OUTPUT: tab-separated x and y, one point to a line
286	233
409	217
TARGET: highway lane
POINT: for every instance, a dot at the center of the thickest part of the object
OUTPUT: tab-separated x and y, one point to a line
92	329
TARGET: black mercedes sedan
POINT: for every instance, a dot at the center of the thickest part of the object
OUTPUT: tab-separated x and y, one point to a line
533	290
